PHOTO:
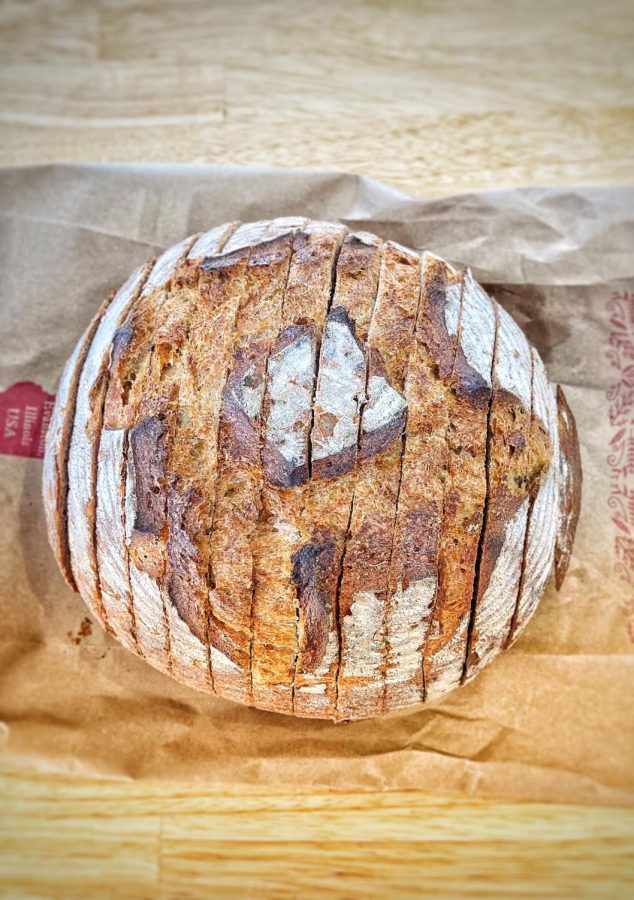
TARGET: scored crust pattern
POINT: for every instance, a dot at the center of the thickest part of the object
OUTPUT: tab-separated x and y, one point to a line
310	470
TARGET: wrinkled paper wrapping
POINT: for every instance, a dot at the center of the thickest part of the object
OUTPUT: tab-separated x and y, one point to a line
552	719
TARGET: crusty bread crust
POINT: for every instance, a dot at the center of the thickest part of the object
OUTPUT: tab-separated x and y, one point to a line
82	452
364	607
284	587
240	477
55	479
209	294
465	493
541	529
515	465
310	470
339	397
570	479
414	571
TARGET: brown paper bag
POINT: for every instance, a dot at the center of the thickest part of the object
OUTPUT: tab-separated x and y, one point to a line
551	719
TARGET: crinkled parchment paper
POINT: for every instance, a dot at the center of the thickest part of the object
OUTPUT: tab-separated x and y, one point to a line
552	719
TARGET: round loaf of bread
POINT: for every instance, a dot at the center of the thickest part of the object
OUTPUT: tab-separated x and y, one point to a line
309	470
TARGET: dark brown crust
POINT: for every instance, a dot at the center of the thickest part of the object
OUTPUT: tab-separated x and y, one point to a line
289	334
313	573
431	327
569	487
335	465
469	385
186	578
240	436
342	315
377	441
227	261
279	471
148	446
272	252
120	343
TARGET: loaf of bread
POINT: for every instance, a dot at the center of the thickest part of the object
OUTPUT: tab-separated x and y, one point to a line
310	470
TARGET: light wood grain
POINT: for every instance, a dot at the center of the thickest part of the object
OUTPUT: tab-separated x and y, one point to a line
431	97
62	837
434	98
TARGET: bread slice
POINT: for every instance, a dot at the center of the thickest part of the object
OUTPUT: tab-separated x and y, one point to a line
339	394
239	481
111	536
364	607
145	523
209	290
185	345
569	487
131	466
55	479
212	242
541	530
465	490
413	571
81	460
514	465
132	356
252	233
287	414
193	466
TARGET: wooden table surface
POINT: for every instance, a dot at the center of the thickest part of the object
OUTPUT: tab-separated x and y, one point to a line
434	97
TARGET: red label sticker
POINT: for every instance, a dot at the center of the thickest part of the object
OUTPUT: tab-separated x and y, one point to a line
25	413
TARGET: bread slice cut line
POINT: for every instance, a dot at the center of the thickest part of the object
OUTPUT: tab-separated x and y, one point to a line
183	582
83	448
280	232
239	408
290	385
462	507
515	462
364	599
329	493
157	277
487	497
413	569
58	439
541	529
